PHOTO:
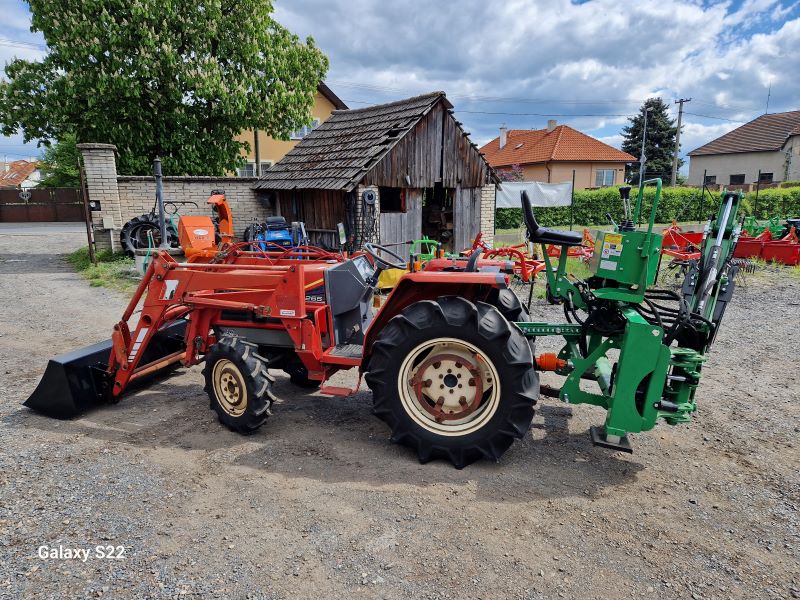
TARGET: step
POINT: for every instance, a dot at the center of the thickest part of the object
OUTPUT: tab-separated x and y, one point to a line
343	354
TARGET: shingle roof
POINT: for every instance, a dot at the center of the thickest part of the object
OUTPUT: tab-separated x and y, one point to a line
763	134
337	102
337	154
18	171
563	143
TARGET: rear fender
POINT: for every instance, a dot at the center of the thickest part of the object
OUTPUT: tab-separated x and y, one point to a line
430	285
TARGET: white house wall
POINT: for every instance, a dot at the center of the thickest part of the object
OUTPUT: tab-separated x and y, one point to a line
749	163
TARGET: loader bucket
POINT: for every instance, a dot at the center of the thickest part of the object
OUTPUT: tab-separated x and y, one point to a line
77	381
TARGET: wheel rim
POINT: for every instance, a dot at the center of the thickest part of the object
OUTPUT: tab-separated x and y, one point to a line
139	235
229	388
449	386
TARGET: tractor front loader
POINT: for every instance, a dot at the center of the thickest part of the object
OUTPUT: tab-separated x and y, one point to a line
449	353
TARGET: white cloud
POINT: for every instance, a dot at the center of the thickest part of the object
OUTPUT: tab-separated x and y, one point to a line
555	54
600	58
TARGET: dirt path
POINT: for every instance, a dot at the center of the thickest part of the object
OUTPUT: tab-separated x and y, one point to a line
319	504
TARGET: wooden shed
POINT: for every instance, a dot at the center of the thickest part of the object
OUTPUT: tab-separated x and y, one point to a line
390	173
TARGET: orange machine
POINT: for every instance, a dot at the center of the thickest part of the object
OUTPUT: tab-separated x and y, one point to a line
197	235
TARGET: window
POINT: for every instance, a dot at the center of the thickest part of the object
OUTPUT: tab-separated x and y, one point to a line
305	130
248	170
710	180
604	177
737	179
393	200
765	178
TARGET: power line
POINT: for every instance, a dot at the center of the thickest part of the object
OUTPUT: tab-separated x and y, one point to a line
712	117
21	44
526	114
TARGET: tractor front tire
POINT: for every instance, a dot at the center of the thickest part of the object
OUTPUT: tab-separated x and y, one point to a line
238	384
453	379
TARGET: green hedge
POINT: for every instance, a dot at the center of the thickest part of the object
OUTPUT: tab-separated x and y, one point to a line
678	203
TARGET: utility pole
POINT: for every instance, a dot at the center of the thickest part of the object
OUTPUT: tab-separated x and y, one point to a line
674	179
642	156
257	150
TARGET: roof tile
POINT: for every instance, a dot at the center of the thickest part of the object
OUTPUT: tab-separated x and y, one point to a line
763	134
18	171
338	153
563	143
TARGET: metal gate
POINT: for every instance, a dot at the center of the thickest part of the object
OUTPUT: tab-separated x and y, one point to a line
41	205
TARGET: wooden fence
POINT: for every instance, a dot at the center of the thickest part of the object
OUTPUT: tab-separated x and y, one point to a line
41	205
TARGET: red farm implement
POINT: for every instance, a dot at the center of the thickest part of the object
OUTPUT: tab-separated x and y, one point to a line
785	251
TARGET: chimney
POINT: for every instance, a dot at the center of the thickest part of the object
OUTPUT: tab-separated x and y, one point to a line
551	124
503	136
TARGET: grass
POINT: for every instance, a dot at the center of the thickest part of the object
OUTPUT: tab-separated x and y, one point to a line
114	271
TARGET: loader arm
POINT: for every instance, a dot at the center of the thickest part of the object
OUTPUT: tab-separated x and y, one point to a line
179	303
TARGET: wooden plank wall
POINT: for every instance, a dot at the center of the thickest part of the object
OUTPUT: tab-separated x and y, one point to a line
321	210
402	227
467	216
418	154
463	164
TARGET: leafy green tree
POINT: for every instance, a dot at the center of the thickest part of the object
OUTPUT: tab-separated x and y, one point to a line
660	144
177	79
59	164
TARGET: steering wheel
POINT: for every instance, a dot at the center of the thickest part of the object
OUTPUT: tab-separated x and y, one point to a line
373	249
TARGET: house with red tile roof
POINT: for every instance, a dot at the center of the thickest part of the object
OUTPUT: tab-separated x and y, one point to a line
768	145
20	174
552	154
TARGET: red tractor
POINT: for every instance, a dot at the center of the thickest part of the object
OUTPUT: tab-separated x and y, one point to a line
450	373
449	353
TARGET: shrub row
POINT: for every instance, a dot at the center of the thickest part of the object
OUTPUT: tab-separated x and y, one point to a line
678	203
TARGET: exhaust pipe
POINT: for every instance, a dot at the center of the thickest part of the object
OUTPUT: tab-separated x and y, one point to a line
77	381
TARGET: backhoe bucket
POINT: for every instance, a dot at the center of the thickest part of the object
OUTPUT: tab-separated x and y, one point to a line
77	381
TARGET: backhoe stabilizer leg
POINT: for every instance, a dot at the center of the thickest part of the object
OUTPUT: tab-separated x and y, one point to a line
620	443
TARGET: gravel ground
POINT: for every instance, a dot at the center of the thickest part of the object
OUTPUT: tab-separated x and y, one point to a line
319	504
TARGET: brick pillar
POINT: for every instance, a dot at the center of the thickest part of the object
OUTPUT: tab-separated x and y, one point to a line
488	200
101	183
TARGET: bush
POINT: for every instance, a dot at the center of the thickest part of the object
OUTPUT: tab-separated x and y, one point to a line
590	208
784	202
678	203
789	184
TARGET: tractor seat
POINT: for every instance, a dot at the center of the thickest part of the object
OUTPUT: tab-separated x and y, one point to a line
543	235
276	223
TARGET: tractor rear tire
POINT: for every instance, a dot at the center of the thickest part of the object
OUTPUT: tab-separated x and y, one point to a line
476	370
133	234
238	384
510	306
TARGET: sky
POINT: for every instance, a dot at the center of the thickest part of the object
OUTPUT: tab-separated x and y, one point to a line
588	64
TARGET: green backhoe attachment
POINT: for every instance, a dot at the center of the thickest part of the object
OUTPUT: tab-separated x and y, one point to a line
659	337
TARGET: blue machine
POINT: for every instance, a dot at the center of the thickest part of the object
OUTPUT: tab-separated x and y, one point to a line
277	233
